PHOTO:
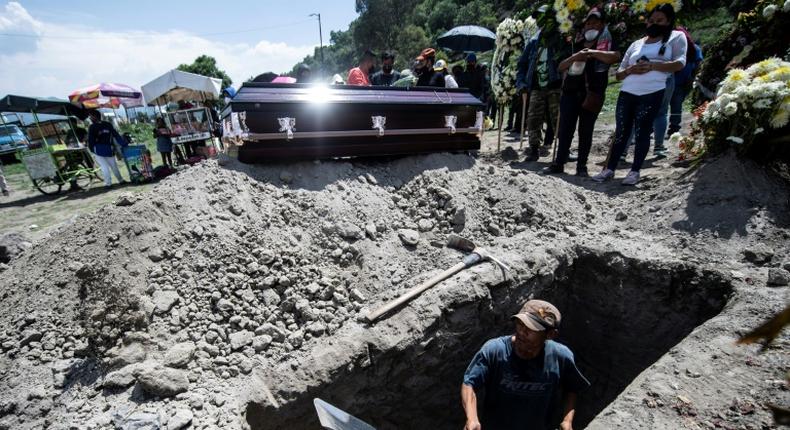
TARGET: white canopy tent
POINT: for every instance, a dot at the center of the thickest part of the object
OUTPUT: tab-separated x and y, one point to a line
176	85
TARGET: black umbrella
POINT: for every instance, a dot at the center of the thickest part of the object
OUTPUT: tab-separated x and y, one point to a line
468	38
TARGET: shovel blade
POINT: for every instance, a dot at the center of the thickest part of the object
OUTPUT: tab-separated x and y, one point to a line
332	418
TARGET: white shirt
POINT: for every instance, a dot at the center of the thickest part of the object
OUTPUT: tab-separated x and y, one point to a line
653	80
449	81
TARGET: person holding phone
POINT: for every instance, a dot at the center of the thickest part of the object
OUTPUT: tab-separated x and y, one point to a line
644	70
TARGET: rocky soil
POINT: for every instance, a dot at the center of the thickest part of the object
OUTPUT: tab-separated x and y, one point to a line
166	309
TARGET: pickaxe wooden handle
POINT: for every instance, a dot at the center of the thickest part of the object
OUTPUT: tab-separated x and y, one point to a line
470	260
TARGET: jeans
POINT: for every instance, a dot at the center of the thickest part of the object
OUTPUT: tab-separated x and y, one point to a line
107	164
676	108
571	112
634	113
660	123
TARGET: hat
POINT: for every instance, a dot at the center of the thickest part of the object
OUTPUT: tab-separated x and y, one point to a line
471	57
594	12
439	66
427	53
539	315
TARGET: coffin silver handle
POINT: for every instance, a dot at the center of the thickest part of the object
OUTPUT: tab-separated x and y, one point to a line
450	121
479	121
378	123
288	125
449	97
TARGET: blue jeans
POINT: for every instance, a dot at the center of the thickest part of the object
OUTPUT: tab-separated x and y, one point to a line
660	123
634	114
676	108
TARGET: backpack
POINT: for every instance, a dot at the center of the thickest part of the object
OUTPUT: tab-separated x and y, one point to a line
686	74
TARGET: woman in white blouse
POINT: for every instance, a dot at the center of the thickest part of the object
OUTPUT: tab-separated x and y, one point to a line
644	70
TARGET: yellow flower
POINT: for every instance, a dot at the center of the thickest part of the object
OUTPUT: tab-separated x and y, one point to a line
652	4
575	4
780	74
566	27
780	119
764	67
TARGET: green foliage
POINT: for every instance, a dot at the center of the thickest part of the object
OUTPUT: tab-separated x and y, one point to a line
142	133
207	66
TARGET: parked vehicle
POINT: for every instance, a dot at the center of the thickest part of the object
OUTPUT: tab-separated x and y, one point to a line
12	139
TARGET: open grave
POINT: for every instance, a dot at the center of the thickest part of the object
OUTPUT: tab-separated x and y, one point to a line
620	314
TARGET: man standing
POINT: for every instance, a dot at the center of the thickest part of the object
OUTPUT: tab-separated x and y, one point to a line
359	75
426	76
386	76
537	77
472	77
100	141
521	374
3	184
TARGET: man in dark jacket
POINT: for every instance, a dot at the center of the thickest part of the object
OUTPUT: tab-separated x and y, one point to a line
538	78
386	76
427	77
473	77
100	142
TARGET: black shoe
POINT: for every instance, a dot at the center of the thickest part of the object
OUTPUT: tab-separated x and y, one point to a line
553	168
545	151
581	171
534	155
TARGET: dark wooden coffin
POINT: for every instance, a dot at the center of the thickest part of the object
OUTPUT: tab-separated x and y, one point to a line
297	121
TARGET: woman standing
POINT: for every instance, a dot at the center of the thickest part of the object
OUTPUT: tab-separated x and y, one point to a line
644	70
164	144
583	90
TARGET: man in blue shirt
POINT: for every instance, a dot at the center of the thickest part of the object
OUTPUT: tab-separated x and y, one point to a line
100	137
521	375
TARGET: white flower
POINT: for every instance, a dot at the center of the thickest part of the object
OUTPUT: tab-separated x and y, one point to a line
769	11
762	104
675	138
735	139
786	7
764	67
566	27
759	130
730	108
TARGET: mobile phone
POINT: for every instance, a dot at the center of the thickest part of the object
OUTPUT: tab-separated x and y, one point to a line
643	59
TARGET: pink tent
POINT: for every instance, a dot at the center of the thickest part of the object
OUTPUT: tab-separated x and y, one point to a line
284	80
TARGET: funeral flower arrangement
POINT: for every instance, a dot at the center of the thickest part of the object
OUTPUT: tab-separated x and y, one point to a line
568	13
512	35
752	107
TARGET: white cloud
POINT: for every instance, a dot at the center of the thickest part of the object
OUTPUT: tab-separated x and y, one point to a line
78	56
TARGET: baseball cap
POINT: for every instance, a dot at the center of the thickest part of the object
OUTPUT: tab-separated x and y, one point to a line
594	12
539	315
471	57
440	65
427	53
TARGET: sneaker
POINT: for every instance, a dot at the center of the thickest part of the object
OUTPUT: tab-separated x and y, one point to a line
631	179
581	171
553	168
605	175
545	151
660	152
534	155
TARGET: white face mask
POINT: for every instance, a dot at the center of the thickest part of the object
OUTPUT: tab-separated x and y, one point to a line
227	100
590	35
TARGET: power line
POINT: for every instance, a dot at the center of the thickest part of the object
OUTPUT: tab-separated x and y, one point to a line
49	36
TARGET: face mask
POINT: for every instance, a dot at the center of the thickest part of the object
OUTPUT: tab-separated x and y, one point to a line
227	100
656	30
387	68
590	35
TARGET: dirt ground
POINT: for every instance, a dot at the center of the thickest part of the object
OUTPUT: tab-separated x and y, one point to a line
229	295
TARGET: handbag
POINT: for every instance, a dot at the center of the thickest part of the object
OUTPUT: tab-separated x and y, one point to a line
593	102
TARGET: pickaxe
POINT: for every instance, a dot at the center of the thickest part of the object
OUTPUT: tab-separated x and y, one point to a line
476	255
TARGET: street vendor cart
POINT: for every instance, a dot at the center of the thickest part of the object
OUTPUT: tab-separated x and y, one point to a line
192	127
50	166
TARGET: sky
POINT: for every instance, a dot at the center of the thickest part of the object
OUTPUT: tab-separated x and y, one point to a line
52	47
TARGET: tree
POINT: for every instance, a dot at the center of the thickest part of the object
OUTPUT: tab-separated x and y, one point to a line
477	12
206	66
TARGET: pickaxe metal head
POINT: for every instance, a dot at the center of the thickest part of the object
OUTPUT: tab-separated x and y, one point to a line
460	243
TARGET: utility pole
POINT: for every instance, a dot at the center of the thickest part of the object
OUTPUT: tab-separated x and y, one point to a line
320	41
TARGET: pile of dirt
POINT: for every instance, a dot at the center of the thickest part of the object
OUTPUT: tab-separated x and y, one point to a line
155	312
